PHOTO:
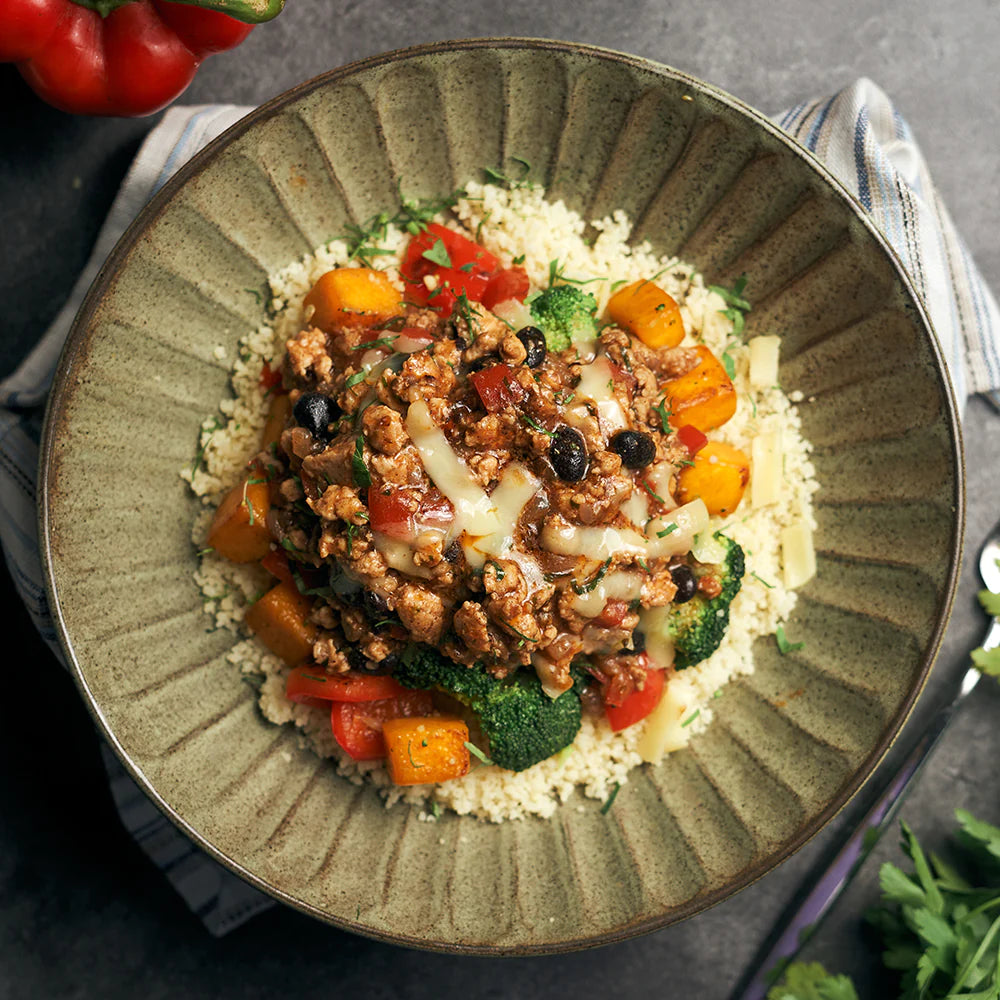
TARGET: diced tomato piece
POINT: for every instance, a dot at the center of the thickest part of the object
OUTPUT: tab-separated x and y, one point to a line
692	438
639	703
613	614
312	682
403	511
270	379
357	726
276	563
456	265
510	283
496	387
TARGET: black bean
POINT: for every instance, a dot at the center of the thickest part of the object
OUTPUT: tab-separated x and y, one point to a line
568	454
357	660
315	412
638	642
376	606
685	581
454	552
534	343
636	448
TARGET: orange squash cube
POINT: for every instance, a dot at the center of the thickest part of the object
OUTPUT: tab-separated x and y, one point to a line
353	296
719	474
277	417
647	311
239	527
425	750
703	397
278	619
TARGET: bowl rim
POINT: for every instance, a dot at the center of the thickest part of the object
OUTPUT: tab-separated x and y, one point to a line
78	339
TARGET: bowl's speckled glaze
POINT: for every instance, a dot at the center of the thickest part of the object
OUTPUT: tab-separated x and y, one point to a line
705	178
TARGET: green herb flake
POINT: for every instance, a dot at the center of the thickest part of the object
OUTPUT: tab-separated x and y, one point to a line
586	588
655	496
536	426
665	415
314	677
478	754
438	254
353	380
381	342
770	586
668	530
644	565
694	715
409	753
610	800
784	646
205	551
362	477
435	809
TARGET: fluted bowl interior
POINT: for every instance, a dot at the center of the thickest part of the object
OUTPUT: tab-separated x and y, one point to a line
705	178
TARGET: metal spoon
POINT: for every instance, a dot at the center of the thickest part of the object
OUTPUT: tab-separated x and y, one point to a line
800	919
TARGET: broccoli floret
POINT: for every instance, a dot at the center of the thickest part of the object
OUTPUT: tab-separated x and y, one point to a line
698	625
522	723
565	314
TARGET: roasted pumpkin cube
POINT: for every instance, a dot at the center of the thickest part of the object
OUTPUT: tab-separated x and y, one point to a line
277	417
425	750
646	310
280	620
353	296
239	527
704	396
718	474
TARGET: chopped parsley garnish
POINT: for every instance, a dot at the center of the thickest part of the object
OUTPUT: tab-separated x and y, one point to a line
587	587
498	177
409	753
353	380
665	415
784	646
438	254
497	569
694	715
255	292
314	677
217	425
649	490
668	530
770	586
362	477
537	426
205	551
644	565
737	307
610	800
381	342
477	753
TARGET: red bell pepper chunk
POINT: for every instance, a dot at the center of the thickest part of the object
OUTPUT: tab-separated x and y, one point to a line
313	682
403	511
133	60
692	438
510	283
276	563
639	703
357	726
613	613
454	264
496	387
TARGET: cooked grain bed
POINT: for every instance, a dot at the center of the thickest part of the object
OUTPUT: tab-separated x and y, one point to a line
513	223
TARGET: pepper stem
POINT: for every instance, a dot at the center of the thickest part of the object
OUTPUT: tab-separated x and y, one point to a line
248	11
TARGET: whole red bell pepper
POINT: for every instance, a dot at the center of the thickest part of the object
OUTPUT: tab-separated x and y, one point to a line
120	57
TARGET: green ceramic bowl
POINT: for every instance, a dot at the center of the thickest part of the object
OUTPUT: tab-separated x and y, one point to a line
706	178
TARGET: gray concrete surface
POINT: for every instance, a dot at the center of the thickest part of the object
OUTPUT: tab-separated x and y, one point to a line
82	913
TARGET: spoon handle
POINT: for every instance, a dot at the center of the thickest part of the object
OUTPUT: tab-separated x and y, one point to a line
831	877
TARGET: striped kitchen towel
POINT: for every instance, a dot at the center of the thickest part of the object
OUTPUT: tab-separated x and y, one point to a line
857	133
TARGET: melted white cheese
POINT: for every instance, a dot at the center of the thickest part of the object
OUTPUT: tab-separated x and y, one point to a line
398	555
615	586
593	542
517	486
596	385
474	510
673	533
